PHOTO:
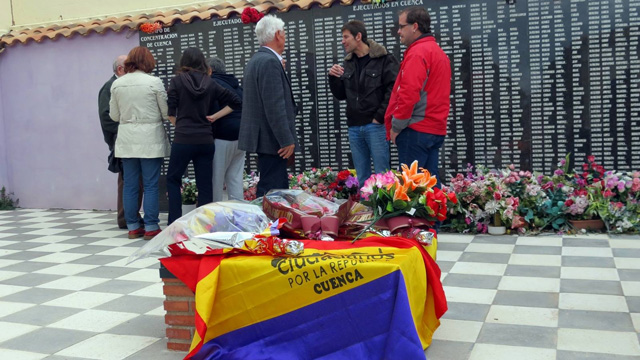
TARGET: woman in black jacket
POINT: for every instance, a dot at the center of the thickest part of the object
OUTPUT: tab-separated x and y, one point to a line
192	96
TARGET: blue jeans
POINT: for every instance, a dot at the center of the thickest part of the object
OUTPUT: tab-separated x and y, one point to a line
415	145
181	155
149	169
367	142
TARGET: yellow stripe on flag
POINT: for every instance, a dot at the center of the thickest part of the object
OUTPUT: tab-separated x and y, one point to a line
252	289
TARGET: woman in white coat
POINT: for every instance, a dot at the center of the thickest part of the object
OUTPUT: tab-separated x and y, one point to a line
139	104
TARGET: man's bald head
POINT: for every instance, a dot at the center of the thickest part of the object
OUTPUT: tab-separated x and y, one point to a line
118	65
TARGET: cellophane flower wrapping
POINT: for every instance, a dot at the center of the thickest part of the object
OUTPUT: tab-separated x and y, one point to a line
224	216
308	215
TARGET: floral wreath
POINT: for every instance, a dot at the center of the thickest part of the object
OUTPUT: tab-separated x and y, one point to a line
251	16
150	28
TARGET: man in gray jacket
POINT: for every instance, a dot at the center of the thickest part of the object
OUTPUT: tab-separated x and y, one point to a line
267	126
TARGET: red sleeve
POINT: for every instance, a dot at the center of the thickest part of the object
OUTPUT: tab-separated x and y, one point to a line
411	81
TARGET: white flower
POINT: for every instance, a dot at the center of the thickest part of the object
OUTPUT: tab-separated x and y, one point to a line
492	206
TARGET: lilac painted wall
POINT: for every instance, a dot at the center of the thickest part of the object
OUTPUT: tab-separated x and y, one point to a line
52	152
4	180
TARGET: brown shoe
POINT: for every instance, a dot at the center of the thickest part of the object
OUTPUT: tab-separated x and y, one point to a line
134	234
148	235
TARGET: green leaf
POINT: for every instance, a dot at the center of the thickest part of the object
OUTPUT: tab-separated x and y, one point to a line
400	204
390	207
529	216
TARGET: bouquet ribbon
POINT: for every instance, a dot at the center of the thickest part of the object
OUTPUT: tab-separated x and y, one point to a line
312	225
398	222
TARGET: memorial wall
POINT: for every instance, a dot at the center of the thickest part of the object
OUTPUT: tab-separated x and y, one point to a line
532	80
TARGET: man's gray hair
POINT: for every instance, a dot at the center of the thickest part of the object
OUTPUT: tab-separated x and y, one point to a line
119	61
217	65
267	28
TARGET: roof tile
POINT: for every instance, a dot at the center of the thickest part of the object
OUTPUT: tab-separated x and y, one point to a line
167	17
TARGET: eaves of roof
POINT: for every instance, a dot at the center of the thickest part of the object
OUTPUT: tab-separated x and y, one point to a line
166	18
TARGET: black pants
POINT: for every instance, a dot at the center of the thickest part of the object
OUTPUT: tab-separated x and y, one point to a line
273	173
181	155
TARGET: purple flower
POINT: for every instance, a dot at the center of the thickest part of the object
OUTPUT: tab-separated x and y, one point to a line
558	172
351	181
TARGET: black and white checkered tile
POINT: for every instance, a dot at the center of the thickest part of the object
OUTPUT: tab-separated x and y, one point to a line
543	297
66	293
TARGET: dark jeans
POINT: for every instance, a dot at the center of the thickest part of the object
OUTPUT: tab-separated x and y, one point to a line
273	173
181	155
415	145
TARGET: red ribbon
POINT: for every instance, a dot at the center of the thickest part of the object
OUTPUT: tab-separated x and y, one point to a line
399	222
314	226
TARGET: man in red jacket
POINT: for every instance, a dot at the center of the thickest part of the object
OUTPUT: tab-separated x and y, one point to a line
416	118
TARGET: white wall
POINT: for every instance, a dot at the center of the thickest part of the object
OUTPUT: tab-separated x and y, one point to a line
5	16
36	12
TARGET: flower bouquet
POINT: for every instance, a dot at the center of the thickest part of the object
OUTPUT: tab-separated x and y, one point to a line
406	201
326	183
251	16
189	191
222	217
307	215
150	28
346	185
316	181
250	185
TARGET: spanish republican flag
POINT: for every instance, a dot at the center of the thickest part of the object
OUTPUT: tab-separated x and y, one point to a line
380	298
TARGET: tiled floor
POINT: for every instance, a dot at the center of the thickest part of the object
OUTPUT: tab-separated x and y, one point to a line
66	293
543	297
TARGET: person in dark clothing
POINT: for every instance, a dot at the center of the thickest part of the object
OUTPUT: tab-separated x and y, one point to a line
228	160
365	82
110	132
192	97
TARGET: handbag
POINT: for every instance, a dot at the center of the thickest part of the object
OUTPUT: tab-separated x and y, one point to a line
115	164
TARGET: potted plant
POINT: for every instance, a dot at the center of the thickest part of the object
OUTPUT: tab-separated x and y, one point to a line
6	202
586	202
496	227
189	193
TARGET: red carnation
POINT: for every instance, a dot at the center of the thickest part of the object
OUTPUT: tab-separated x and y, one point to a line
343	175
250	15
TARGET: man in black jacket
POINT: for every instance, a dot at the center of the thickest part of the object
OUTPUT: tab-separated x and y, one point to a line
365	81
110	128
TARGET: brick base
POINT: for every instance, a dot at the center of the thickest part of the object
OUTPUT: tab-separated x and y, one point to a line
180	318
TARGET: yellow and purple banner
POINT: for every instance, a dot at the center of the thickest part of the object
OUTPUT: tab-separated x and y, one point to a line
377	298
